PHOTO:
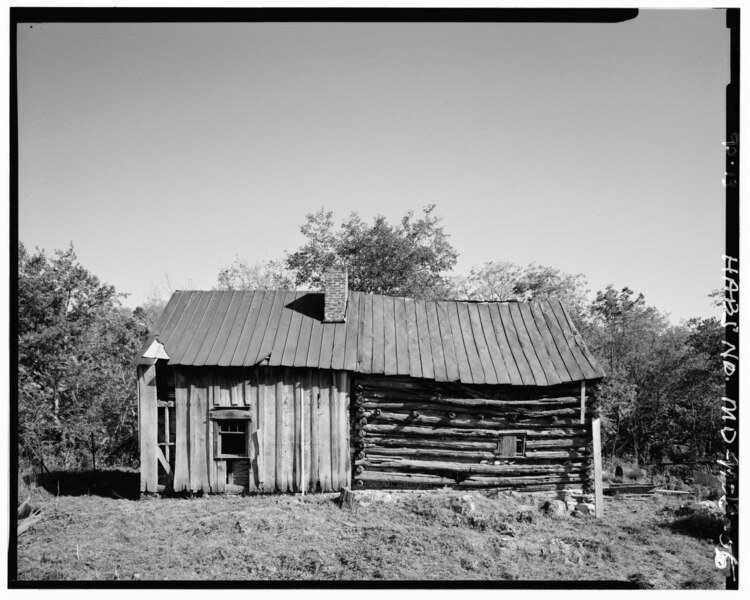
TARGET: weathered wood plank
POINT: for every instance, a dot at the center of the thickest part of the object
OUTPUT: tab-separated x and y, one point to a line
514	373
213	472
538	343
560	342
169	318
475	364
178	351
452	371
182	431
267	431
402	336
147	423
436	343
326	346
352	333
549	343
298	438
202	330
503	322
221	476
227	325
256	339
198	432
502	372
305	335
324	431
249	385
316	338
248	327
178	322
462	358
464	420
339	346
423	338
282	331
269	335
389	323
366	339
240	322
378	335
465	469
218	317
597	452
540	377
303	343
307	431
430	431
292	339
290	418
334	432
584	358
314	434
412	337
343	430
477	328
374	451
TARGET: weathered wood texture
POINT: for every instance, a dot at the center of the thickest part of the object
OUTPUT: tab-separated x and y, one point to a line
298	417
420	433
519	343
148	427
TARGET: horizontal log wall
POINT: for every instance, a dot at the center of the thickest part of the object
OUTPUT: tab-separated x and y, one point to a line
289	407
420	434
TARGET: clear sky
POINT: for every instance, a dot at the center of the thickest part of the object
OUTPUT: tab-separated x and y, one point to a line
164	150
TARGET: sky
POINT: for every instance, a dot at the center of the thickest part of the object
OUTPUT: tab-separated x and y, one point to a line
162	151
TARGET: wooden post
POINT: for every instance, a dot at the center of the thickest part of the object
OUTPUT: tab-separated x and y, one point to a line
147	426
597	448
182	432
583	402
301	395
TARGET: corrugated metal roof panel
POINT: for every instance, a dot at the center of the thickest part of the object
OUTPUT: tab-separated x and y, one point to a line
532	343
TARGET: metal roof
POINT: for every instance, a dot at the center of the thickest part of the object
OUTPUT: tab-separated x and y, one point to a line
507	343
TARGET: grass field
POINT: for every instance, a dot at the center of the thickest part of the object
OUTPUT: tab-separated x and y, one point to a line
401	536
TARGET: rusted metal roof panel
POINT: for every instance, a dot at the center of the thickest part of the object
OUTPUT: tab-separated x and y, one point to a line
506	343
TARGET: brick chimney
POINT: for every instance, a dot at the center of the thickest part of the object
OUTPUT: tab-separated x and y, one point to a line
336	294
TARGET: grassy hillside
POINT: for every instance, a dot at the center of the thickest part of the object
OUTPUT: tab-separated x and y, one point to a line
437	535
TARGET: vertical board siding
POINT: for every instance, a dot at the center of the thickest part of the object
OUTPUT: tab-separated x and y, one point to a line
299	427
314	436
147	416
268	430
324	438
182	432
198	408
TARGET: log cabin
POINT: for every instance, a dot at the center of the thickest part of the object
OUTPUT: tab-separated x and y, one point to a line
296	391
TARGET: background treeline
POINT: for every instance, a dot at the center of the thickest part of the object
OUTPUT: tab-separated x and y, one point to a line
76	388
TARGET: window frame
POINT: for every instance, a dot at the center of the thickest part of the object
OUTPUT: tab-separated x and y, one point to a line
519	445
227	417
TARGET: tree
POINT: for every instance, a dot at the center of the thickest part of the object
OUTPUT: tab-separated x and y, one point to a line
502	281
265	275
659	400
75	343
406	259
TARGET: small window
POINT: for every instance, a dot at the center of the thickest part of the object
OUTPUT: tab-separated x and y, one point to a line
231	438
511	445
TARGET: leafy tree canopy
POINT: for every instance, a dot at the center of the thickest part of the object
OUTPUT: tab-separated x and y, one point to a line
404	259
75	343
265	275
502	281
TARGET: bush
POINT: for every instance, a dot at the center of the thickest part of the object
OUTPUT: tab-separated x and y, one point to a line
698	522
